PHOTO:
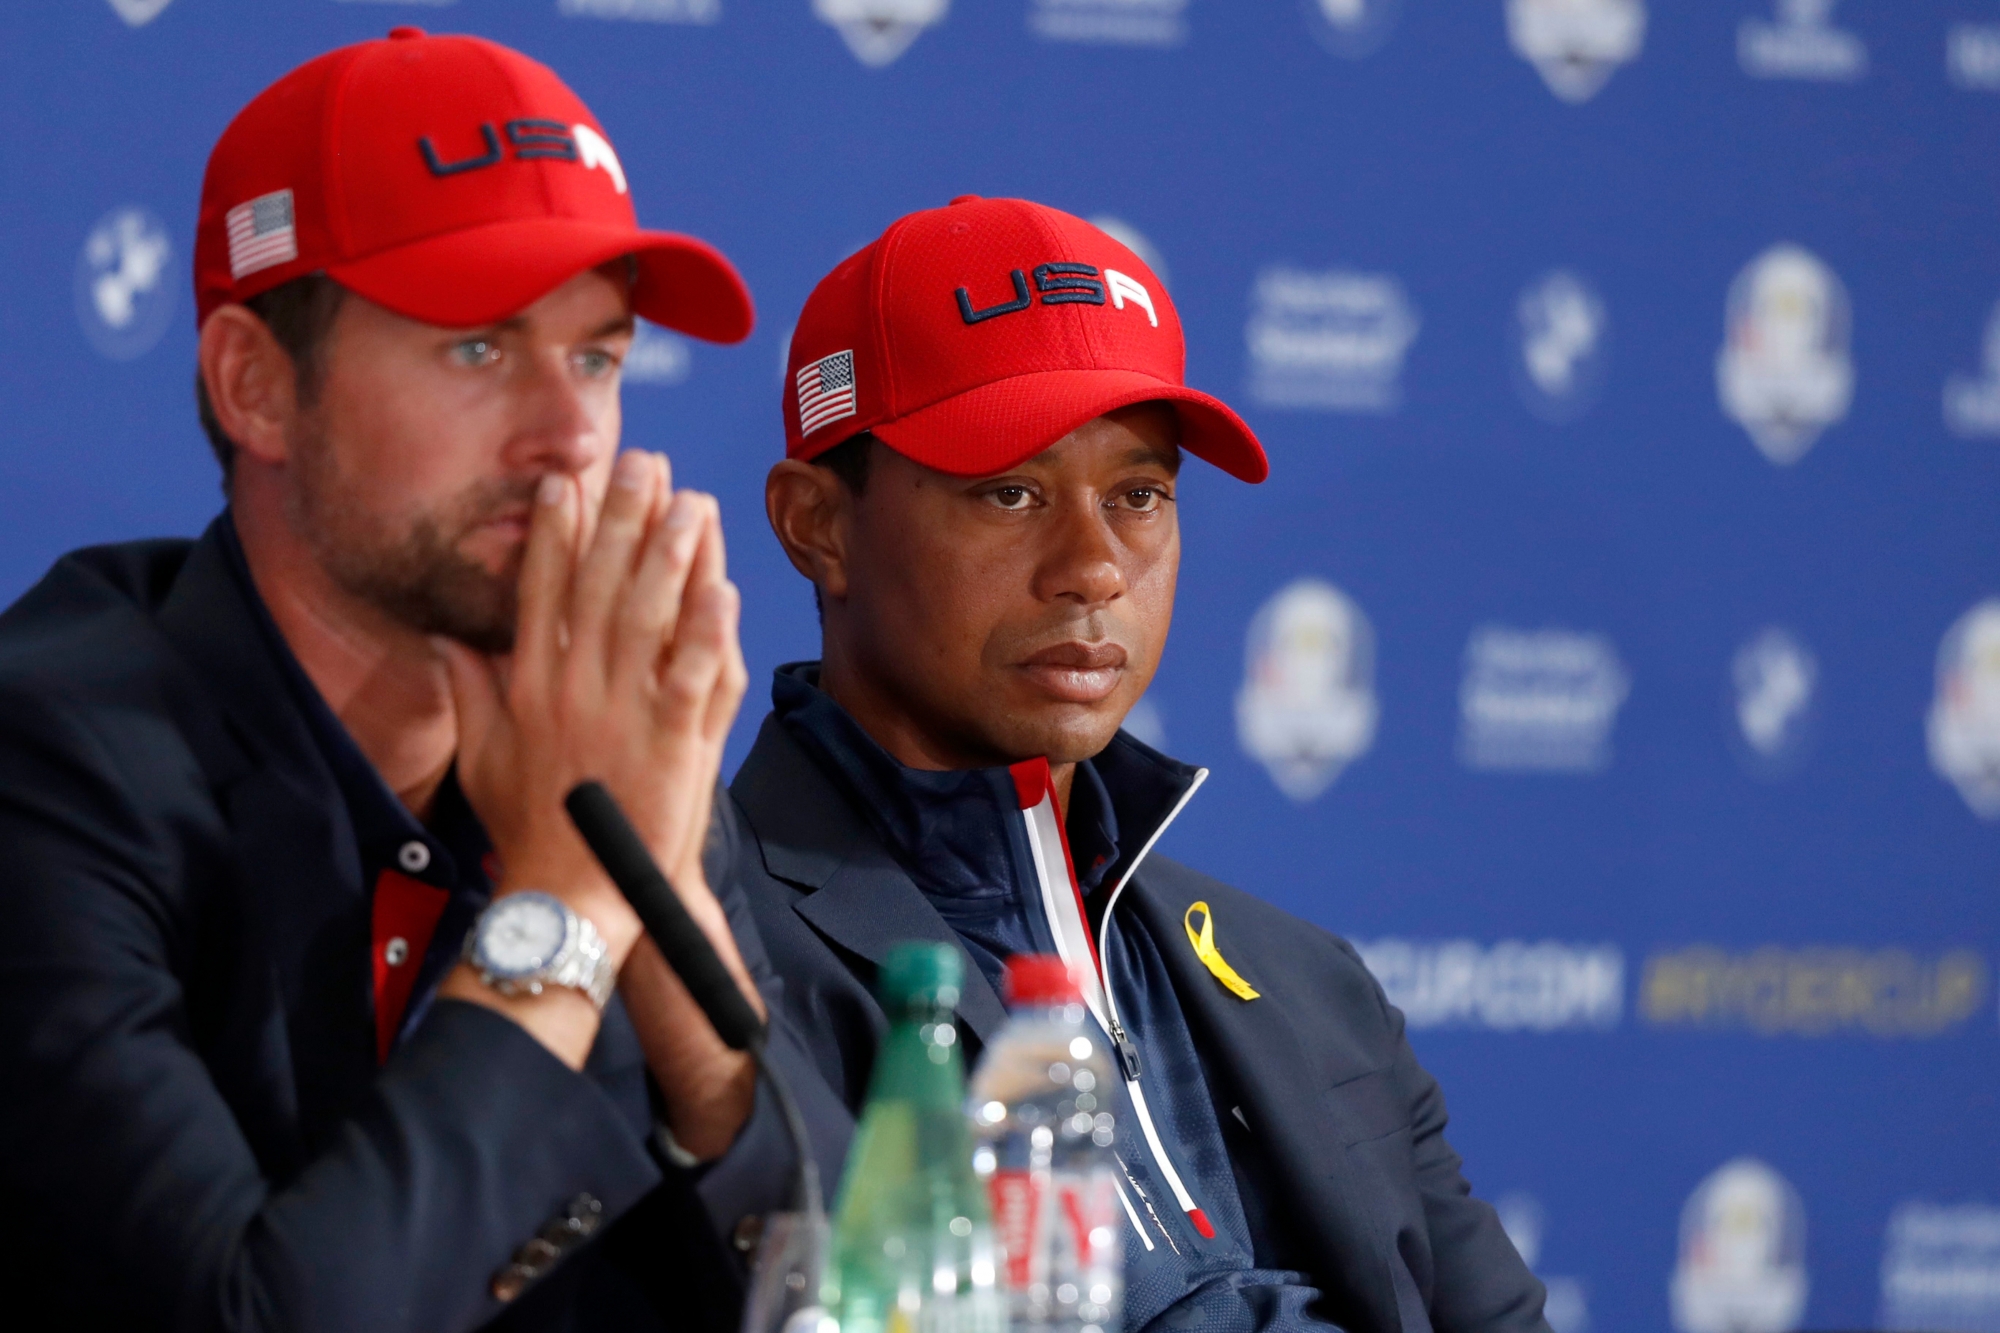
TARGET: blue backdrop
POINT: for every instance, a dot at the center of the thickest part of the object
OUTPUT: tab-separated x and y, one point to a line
1610	653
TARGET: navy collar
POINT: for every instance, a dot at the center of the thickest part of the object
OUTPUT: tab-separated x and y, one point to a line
1118	800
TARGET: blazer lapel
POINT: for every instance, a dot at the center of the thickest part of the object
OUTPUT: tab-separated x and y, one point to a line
856	894
305	942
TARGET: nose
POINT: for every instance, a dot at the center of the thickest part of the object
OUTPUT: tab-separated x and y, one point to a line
558	426
1081	561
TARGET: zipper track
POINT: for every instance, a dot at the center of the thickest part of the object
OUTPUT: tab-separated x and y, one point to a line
1043	812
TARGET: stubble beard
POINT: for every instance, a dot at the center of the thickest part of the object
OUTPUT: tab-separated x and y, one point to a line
411	570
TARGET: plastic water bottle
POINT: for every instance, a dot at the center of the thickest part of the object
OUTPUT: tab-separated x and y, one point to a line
913	1247
1040	1107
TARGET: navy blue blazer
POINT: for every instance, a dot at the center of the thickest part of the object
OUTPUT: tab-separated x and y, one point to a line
194	1132
1347	1127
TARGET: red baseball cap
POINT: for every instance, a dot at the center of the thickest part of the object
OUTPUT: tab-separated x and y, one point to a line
972	337
447	178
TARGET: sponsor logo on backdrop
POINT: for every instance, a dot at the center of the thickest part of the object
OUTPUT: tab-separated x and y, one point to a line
879	31
1941	1268
638	11
1522	1218
1352	28
1146	724
138	13
1801	44
1576	45
1772	679
1964	727
657	356
1307	707
1539	700
1129	236
1111	22
1972	56
124	287
1972	402
1560	341
1742	1260
1511	986
1329	339
1814	991
1784	373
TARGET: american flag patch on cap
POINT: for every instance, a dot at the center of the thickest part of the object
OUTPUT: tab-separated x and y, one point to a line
261	233
826	391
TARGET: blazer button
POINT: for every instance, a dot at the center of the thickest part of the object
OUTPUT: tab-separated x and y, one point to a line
749	1231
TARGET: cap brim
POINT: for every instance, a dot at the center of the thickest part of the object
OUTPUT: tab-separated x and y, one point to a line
484	274
997	426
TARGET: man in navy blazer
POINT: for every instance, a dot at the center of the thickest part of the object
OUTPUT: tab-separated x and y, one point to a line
985	420
315	1013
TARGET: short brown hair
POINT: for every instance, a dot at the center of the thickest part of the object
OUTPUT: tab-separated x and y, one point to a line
300	315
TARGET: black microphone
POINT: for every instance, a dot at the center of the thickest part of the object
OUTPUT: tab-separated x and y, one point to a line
624	856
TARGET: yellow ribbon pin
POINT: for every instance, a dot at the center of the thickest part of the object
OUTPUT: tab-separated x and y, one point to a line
1204	949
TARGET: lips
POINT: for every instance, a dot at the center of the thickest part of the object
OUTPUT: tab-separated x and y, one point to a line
1075	672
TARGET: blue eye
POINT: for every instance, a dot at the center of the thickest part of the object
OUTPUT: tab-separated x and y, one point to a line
476	352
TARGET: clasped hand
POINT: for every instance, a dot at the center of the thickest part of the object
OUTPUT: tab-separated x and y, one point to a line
627	669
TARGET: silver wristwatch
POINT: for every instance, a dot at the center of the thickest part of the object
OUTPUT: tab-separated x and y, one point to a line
529	940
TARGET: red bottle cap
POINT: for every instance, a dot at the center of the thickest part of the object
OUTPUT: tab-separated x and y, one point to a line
1040	978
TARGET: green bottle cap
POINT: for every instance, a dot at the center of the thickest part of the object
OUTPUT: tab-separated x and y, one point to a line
920	974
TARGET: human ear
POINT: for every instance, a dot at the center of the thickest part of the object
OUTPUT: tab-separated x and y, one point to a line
251	381
809	509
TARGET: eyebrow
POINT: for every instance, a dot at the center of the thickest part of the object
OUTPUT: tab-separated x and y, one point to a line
1146	453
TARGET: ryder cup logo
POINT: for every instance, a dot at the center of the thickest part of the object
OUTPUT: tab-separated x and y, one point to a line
1742	1263
1972	402
1772	679
1110	22
1331	339
1784	372
1560	333
1539	700
1576	45
1307	706
1352	28
1964	729
124	296
1802	44
879	31
138	13
1129	236
1972	56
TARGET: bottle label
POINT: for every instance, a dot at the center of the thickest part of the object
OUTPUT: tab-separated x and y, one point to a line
1019	1210
1086	1232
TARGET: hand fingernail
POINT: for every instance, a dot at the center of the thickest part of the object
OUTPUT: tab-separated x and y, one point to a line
682	513
630	471
551	489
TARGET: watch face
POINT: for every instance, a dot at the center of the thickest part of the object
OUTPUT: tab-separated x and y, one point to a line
521	935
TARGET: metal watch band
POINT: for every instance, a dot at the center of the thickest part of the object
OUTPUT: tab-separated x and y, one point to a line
585	963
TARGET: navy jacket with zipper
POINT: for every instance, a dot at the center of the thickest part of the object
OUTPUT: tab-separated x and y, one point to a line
1373	1209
